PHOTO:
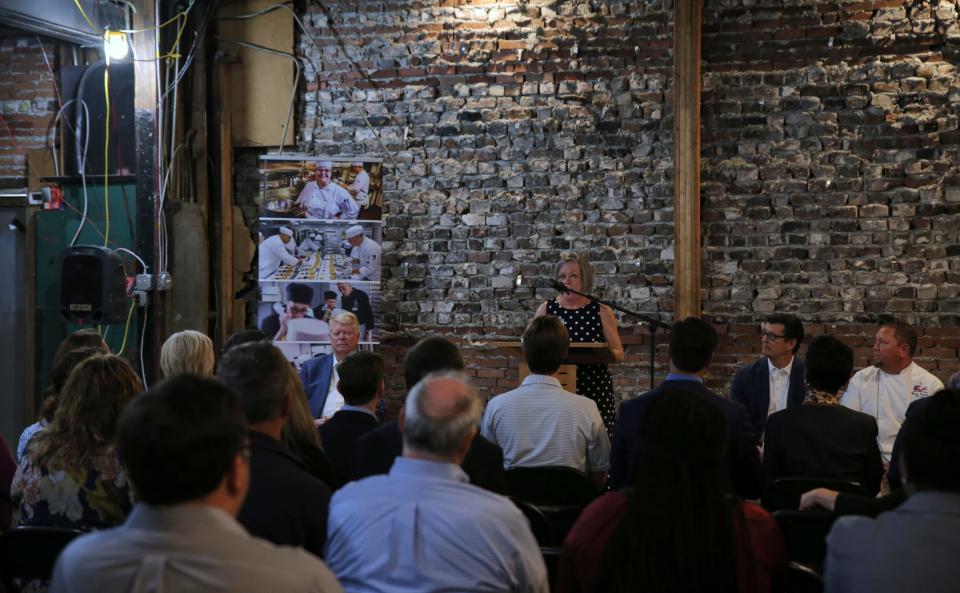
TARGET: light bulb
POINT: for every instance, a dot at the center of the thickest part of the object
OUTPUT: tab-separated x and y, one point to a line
115	45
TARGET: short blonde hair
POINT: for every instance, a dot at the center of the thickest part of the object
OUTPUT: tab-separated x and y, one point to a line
187	351
586	270
347	318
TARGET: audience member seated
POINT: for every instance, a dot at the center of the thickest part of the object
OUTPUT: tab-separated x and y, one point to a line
539	424
376	450
423	528
319	375
244	336
300	436
71	475
692	342
886	388
775	382
821	438
680	527
912	548
189	352
62	367
285	505
185	445
954	381
361	384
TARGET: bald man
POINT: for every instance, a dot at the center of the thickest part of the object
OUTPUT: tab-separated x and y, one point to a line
423	527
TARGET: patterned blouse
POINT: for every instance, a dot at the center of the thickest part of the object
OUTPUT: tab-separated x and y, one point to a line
86	498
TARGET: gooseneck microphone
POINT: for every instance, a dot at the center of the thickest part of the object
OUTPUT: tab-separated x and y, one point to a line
558	287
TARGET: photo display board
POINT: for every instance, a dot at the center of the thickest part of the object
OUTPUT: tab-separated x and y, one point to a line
319	250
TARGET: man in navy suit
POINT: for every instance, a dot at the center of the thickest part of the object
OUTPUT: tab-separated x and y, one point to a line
361	384
319	375
692	342
776	381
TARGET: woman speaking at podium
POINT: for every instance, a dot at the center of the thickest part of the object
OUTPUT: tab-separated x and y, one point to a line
587	321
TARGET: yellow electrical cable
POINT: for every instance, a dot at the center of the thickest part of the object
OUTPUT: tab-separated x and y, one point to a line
106	155
126	329
85	17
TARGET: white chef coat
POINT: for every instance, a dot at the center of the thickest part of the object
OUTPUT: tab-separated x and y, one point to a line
361	185
886	397
273	252
328	202
368	253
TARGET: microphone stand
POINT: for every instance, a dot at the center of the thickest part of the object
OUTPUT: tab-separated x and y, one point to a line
652	324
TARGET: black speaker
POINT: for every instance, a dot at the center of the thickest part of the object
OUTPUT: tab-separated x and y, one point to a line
93	285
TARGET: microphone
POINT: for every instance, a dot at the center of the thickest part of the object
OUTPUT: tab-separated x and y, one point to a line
558	287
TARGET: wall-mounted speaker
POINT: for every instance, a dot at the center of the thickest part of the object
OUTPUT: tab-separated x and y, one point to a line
92	285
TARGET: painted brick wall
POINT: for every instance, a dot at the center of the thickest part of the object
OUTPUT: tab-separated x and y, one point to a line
28	102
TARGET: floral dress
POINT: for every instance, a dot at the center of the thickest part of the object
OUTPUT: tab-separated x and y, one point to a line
593	380
85	498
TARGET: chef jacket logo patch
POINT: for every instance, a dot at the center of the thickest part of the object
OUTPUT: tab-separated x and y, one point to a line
920	391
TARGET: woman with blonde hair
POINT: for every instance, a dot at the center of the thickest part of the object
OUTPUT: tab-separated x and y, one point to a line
187	351
71	475
587	321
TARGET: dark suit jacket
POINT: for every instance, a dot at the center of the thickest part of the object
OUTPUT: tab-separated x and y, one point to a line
339	436
315	375
285	504
823	442
857	504
376	450
751	387
742	454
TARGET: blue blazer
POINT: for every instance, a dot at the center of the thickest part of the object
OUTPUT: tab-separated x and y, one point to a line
315	375
743	458
751	387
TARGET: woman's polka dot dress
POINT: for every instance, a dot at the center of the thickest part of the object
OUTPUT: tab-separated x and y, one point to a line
593	380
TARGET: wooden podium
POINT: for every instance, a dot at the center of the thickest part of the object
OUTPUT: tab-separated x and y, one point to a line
579	353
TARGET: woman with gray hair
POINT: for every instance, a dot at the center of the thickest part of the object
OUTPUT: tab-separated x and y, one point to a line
187	351
587	321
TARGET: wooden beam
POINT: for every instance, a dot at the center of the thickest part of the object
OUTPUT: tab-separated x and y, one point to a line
225	303
145	134
686	157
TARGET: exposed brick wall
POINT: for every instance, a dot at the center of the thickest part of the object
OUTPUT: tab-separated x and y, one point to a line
522	130
28	102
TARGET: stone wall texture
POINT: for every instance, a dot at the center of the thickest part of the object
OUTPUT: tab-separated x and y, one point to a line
28	101
514	131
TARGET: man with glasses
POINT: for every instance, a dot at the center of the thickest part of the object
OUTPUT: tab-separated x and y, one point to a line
325	199
776	381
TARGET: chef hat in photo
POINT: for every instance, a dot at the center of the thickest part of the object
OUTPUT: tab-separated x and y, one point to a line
356	164
324	165
299	293
354	231
286	231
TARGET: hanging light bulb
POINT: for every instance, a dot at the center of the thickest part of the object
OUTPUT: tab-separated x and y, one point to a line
115	45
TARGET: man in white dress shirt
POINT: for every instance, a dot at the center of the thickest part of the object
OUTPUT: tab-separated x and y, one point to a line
186	450
885	389
360	188
366	254
324	199
275	250
539	424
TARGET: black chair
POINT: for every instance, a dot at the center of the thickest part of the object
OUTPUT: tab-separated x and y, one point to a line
551	558
784	493
543	530
29	553
551	486
798	578
805	533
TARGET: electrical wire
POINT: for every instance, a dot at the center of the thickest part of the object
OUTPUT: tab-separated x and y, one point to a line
106	151
126	328
85	17
53	78
137	257
143	333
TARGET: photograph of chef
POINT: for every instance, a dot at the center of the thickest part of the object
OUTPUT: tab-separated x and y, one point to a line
312	244
329	309
358	302
322	198
275	250
365	254
299	299
360	188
